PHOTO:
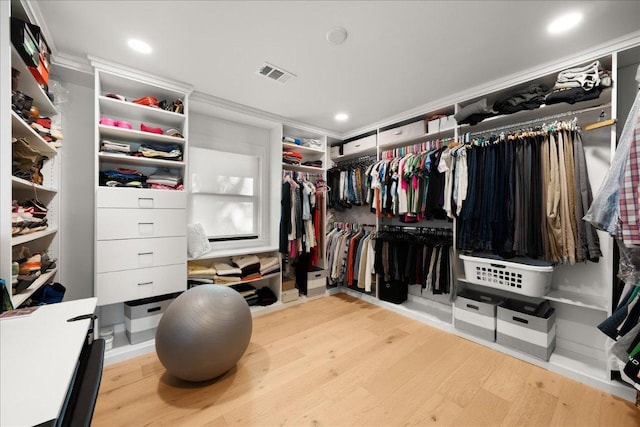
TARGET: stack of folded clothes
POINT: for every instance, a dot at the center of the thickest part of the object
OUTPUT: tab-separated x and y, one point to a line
50	133
121	177
528	99
313	163
199	274
474	113
269	265
249	266
226	273
248	292
116	147
160	151
579	84
291	158
163	179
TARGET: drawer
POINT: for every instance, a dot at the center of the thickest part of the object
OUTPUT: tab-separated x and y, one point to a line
140	198
402	133
359	145
120	286
129	254
140	223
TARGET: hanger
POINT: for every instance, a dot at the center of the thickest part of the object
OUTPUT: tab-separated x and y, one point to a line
601	122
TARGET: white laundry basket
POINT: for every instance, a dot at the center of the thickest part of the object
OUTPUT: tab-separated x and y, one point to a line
523	276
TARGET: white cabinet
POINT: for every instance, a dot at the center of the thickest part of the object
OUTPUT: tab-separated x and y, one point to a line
19	186
141	204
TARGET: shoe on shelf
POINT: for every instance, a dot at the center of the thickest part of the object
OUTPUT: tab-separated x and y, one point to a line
173	132
124	124
149	101
116	96
107	121
150	129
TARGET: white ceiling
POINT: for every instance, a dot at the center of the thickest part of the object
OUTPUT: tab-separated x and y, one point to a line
398	55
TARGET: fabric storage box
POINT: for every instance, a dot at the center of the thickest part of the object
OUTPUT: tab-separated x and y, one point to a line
288	283
527	327
402	133
289	295
447	123
316	279
359	145
335	151
529	277
433	125
394	291
141	317
475	313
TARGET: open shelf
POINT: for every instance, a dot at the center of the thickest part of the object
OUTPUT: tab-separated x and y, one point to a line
20	129
29	86
20	298
580	300
139	161
301	168
133	135
24	238
141	113
265	277
288	146
23	184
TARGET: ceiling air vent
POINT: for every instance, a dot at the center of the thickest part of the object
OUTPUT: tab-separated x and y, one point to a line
275	73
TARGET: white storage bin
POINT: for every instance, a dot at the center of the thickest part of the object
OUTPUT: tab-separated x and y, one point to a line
402	133
359	145
433	126
523	276
316	279
447	123
290	295
475	313
520	327
141	317
335	151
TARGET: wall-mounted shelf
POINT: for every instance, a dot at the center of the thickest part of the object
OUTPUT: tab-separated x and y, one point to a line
115	107
22	130
133	135
23	184
30	86
25	238
18	299
301	168
288	146
139	161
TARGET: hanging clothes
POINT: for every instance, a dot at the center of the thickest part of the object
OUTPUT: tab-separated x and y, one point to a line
526	193
349	256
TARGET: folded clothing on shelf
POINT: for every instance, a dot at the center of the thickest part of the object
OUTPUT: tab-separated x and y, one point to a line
121	177
161	151
225	269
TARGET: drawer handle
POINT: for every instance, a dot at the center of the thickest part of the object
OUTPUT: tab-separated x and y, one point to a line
145	283
397	132
475	307
520	319
357	145
151	310
498	266
145	201
145	253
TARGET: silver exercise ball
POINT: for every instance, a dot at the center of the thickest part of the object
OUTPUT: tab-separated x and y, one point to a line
204	332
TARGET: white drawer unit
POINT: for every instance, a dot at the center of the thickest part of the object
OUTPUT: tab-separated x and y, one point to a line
140	223
368	143
129	254
134	198
128	285
402	133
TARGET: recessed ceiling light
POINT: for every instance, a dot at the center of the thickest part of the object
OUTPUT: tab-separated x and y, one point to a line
139	46
336	35
564	23
341	117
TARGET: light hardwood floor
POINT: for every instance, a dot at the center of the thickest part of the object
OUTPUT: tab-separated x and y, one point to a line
340	361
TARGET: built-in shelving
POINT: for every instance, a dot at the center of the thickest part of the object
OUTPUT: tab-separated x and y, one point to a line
23	184
265	277
302	168
18	299
137	135
139	161
29	86
288	146
136	112
25	238
20	129
443	134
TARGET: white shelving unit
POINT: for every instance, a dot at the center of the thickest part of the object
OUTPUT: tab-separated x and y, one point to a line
22	190
147	256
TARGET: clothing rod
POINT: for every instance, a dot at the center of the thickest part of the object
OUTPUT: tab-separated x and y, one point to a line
542	119
371	157
423	144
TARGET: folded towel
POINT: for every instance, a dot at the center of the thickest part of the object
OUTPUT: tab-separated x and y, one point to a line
243	261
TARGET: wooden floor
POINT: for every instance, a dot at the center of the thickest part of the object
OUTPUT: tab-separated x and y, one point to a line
339	361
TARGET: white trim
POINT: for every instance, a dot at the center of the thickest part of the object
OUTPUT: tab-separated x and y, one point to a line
146	77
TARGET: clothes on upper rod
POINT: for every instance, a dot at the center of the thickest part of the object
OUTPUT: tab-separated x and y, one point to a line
349	185
300	216
526	195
